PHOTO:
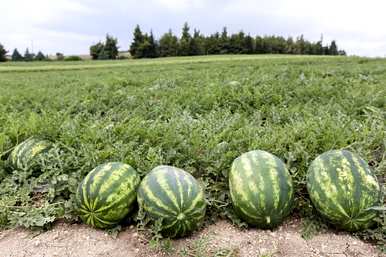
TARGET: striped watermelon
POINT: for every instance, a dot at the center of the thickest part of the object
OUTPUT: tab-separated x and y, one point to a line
342	188
261	189
106	194
24	154
175	197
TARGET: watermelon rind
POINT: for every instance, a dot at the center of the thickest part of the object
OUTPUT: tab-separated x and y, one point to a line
344	190
24	154
174	197
107	194
261	189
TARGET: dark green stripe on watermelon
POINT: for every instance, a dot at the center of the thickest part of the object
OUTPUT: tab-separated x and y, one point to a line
175	197
106	194
261	189
342	188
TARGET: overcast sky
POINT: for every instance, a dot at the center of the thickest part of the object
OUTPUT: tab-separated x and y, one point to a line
71	26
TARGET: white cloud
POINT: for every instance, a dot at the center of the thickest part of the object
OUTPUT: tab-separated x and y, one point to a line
178	5
23	22
72	25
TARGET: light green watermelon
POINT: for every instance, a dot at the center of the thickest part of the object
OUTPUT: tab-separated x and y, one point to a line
24	154
173	196
261	189
107	194
343	188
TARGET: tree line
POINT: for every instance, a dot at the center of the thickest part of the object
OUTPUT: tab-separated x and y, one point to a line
27	57
145	46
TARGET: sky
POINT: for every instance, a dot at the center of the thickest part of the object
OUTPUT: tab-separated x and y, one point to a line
71	26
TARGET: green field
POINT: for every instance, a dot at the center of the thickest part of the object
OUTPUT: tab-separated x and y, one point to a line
194	113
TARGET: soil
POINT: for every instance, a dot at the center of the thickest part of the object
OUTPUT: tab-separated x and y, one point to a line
217	240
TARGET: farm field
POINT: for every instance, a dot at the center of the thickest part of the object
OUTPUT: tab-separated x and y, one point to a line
195	113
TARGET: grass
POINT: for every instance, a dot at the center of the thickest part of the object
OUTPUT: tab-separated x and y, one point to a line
194	113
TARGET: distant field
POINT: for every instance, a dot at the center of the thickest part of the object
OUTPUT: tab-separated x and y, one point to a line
197	113
89	64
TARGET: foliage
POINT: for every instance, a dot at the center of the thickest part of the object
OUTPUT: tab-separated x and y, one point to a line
194	113
107	50
16	56
96	50
138	40
72	58
28	57
3	53
59	56
168	45
40	57
145	46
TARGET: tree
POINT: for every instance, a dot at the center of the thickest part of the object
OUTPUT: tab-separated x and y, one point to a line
196	46
137	42
236	43
110	49
145	45
96	50
3	53
333	49
248	45
212	44
224	42
28	57
103	54
152	51
40	56
300	45
16	56
318	48
59	56
184	44
168	44
259	45
290	46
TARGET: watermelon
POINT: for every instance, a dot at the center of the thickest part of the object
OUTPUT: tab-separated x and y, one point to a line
175	198
107	194
23	155
343	189
261	189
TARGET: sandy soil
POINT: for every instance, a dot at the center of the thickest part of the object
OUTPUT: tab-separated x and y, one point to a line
218	240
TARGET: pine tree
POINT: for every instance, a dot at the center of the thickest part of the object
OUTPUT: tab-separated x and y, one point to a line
224	42
16	56
290	46
40	56
28	57
110	49
184	43
300	45
137	42
212	44
196	46
152	51
318	48
168	44
333	49
3	53
248	45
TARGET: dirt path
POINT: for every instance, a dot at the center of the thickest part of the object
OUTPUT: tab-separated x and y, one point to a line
218	240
